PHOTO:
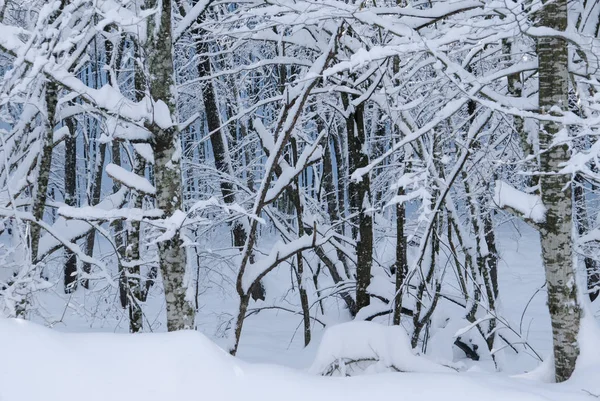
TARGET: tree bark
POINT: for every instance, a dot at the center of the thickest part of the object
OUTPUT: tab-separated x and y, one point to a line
557	253
44	164
70	187
359	194
401	266
582	223
167	169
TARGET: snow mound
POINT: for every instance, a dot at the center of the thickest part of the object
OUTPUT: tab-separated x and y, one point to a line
38	364
41	364
380	348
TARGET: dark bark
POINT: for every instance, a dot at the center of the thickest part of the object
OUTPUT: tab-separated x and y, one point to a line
401	265
70	188
359	194
581	218
295	193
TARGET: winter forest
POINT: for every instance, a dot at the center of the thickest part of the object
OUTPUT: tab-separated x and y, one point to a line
317	199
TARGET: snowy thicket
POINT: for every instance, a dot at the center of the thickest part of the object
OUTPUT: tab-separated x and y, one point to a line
186	164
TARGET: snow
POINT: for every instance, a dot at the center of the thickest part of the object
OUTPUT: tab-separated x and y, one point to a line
172	225
388	346
60	134
190	18
280	251
95	213
162	115
75	229
130	179
528	205
145	151
41	364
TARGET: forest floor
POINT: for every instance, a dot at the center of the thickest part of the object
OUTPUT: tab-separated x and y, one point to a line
40	364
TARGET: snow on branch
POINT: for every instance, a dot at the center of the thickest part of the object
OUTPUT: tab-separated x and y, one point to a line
107	98
190	18
228	208
75	229
98	214
56	232
279	253
527	206
130	179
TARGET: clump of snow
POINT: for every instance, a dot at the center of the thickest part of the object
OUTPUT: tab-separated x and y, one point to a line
162	115
172	225
73	229
387	348
145	151
129	179
60	134
530	206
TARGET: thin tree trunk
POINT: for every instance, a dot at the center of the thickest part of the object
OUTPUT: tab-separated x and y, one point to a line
70	187
359	196
581	218
119	238
95	189
44	161
401	265
44	164
557	253
137	293
295	192
167	169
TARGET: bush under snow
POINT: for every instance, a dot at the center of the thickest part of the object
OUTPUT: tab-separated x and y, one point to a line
355	346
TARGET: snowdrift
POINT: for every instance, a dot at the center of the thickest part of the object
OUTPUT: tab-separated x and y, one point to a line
375	347
38	364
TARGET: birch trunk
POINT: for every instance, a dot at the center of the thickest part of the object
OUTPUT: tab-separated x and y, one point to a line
167	169
557	253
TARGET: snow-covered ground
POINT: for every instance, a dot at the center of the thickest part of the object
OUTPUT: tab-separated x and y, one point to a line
41	364
75	361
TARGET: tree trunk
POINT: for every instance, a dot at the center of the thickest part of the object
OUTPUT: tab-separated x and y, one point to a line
557	253
401	266
167	169
296	197
118	233
132	256
44	164
359	194
137	293
70	182
582	223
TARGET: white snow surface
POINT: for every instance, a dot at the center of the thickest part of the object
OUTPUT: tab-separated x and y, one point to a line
389	346
530	206
41	364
